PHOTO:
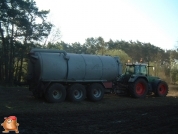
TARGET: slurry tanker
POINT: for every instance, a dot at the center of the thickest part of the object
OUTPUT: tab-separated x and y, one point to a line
57	75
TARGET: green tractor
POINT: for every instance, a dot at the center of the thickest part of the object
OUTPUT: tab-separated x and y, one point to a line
137	82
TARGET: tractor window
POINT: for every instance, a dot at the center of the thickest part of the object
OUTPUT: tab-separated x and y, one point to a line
130	70
139	69
143	70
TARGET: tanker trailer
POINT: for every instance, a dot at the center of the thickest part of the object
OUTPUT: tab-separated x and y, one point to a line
57	75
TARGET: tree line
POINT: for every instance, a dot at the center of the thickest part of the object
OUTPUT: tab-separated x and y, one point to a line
23	26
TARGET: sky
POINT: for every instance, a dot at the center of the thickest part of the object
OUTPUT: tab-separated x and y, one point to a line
147	21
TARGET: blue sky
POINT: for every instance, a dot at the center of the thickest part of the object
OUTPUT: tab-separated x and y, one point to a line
153	21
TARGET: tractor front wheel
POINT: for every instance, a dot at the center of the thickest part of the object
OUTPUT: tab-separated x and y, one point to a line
161	89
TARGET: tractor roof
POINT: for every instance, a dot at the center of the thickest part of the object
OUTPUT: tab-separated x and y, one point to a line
135	64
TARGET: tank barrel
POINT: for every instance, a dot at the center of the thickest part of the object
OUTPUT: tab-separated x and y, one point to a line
47	50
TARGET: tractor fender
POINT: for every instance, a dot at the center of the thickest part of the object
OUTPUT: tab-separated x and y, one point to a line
155	83
133	78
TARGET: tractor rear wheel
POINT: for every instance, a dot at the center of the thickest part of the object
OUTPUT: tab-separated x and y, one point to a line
139	88
161	89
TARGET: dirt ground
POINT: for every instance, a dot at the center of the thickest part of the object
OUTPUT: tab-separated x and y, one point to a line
114	114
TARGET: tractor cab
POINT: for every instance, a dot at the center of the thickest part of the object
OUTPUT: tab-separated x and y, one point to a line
136	68
133	70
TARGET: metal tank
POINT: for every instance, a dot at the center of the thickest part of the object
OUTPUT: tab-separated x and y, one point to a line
57	65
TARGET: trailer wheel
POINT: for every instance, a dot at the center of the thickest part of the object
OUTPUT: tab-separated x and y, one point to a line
139	88
95	92
76	93
55	93
161	89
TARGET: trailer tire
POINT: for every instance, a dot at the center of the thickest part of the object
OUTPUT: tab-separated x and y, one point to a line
161	89
139	88
95	92
55	93
76	93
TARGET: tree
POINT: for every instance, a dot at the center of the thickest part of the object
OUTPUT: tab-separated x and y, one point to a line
54	46
111	44
54	36
90	44
100	45
76	48
174	75
19	29
119	53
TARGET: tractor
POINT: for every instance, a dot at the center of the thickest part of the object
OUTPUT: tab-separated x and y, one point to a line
137	82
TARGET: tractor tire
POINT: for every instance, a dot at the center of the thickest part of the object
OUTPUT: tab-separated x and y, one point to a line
76	93
161	90
139	88
55	93
95	92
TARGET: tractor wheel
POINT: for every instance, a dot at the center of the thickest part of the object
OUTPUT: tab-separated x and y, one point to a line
161	89
55	93
95	92
76	93
139	88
